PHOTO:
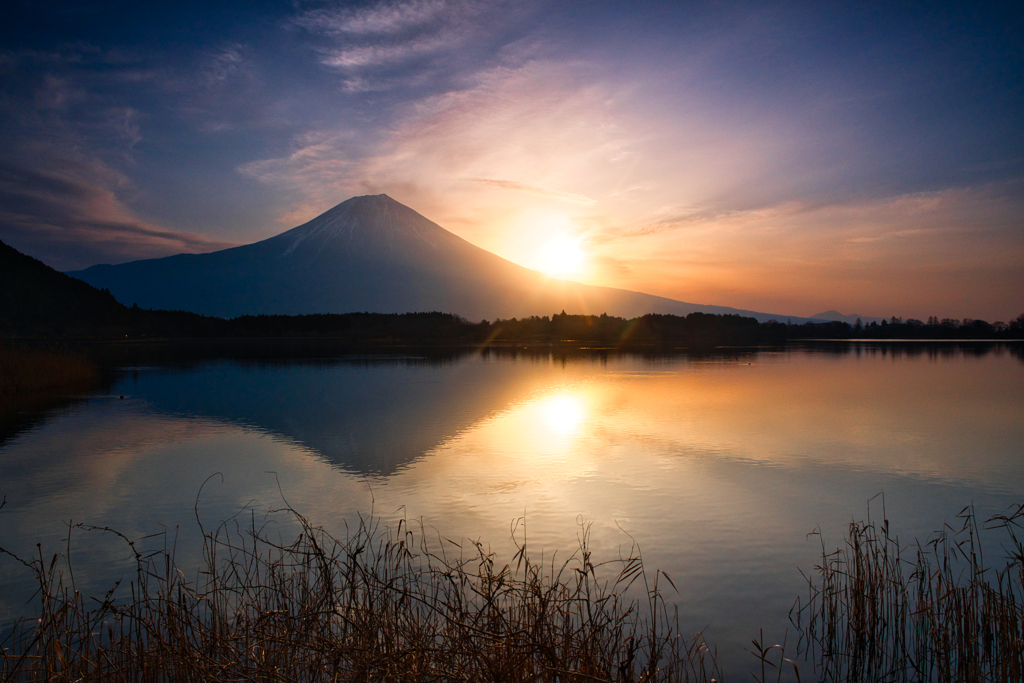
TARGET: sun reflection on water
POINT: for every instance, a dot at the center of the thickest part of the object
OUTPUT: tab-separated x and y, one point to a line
563	414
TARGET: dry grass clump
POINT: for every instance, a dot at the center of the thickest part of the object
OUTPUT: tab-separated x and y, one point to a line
380	604
941	615
26	370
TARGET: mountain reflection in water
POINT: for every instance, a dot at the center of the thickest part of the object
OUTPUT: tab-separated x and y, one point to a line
718	465
374	415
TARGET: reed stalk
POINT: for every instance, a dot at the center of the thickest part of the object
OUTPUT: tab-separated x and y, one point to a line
378	604
932	611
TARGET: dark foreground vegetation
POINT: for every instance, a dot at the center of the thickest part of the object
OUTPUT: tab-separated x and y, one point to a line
387	604
378	605
879	611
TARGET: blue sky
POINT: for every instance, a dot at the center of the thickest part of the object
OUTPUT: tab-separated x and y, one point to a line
795	157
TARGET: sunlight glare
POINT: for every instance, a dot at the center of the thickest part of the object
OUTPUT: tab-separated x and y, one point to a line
562	255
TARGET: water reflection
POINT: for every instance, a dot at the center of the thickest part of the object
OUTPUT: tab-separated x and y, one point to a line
718	465
563	414
24	413
365	417
377	416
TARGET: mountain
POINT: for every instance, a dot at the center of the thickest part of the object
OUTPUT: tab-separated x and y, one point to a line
852	318
36	299
372	254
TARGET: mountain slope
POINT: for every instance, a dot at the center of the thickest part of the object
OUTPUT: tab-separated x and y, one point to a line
367	254
36	299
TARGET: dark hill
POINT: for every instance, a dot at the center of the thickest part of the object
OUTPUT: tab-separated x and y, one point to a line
36	299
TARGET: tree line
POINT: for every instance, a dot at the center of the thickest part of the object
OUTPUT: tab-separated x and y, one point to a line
898	328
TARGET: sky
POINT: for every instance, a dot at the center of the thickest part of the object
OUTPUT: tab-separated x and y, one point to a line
783	157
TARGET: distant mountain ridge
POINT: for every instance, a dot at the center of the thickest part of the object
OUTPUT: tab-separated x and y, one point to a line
852	318
373	254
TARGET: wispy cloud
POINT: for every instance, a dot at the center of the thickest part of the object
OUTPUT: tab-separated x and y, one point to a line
674	218
532	189
387	43
323	168
355	58
72	220
542	124
231	62
382	18
74	134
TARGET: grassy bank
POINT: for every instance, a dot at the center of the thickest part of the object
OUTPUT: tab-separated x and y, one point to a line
26	370
397	604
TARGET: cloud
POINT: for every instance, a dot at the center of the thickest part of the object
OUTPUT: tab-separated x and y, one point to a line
69	221
323	166
229	63
382	18
452	156
355	58
224	89
532	189
125	121
74	133
423	42
540	120
690	218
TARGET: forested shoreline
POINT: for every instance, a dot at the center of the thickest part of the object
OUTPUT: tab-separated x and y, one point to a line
695	329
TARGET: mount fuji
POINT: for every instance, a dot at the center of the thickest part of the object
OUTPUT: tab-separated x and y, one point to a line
371	254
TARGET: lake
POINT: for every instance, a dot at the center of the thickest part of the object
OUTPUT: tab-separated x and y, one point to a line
718	466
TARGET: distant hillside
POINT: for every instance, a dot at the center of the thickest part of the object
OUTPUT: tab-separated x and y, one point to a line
369	254
852	318
36	299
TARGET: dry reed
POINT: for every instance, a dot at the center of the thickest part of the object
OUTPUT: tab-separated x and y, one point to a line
873	614
27	370
379	604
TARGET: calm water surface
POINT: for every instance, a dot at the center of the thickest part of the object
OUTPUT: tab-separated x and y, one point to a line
717	466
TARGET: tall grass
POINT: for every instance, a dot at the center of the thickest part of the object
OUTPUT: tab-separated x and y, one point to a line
26	370
379	604
398	604
931	612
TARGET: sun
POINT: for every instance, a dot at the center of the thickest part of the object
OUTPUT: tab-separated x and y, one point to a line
562	255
